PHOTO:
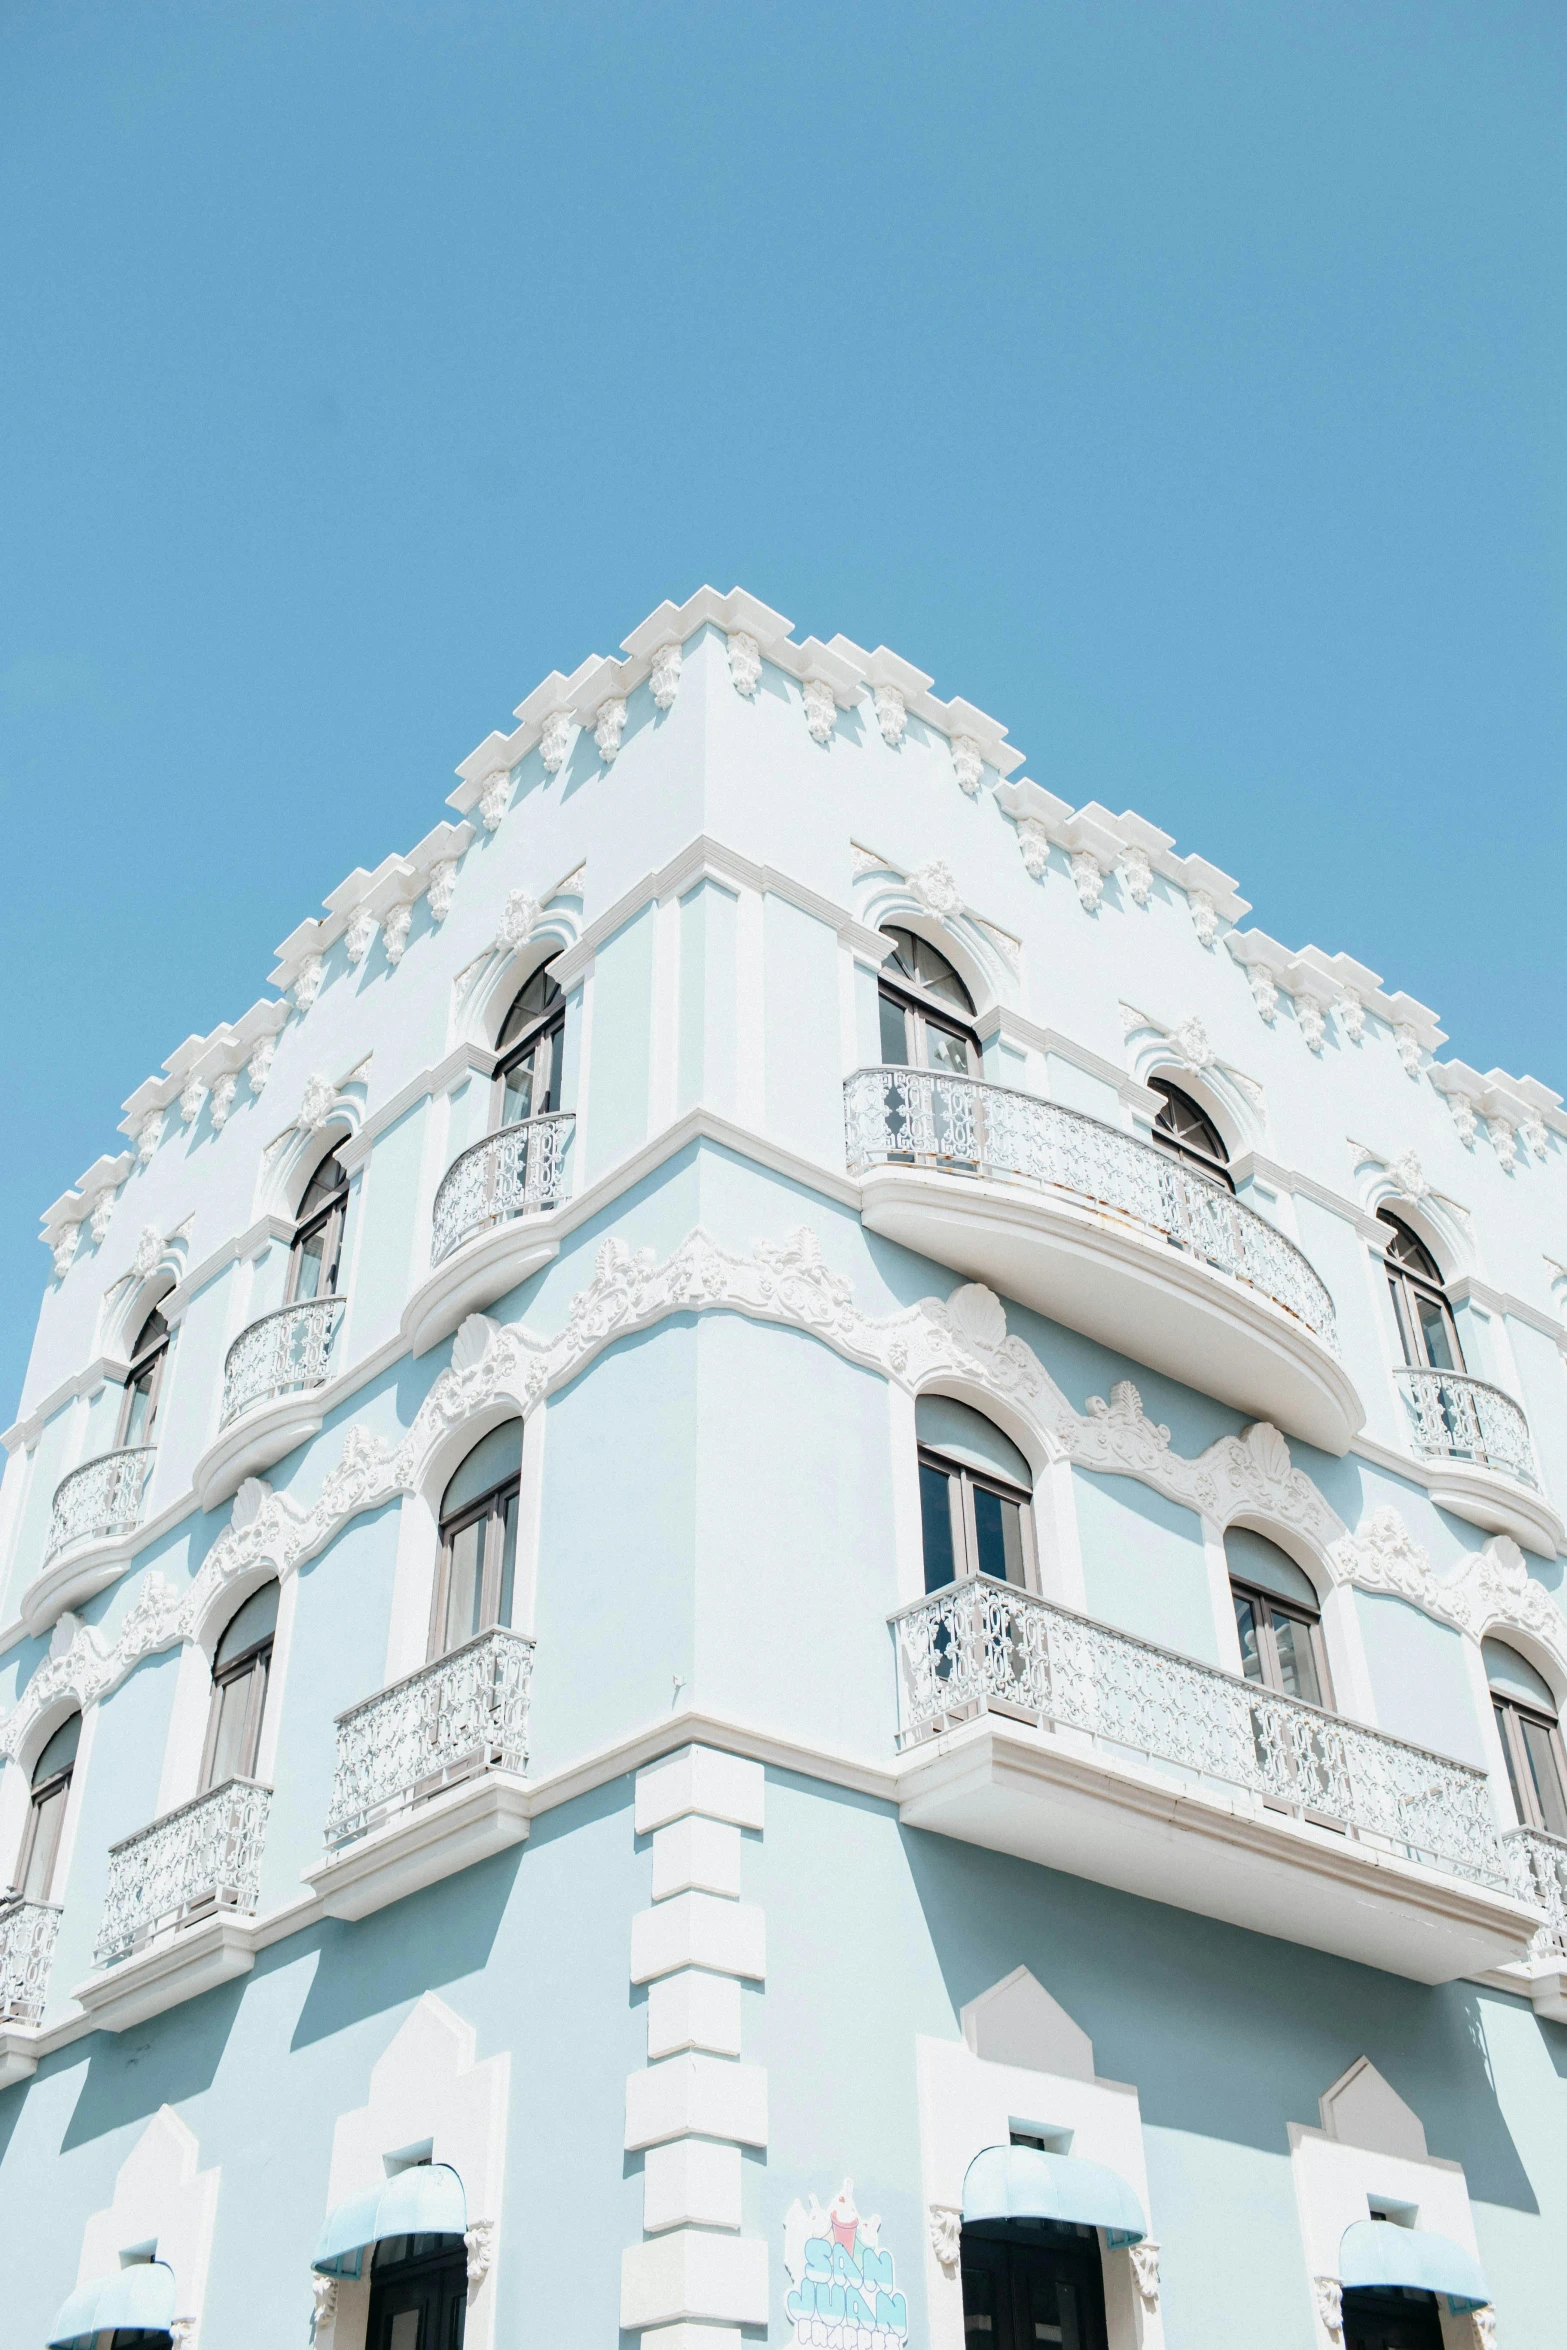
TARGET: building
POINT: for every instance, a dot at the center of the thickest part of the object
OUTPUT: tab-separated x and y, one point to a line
785	1570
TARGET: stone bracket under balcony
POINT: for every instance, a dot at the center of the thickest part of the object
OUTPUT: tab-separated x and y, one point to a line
1043	1797
1477	1456
274	1380
496	1222
191	1960
1075	1219
418	1847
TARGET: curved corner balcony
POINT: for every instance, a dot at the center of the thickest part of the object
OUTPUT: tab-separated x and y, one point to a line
492	1225
1539	1871
1475	1442
1106	1234
1039	1732
271	1377
95	1507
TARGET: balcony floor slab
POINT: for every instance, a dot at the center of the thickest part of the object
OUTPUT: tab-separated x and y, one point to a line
1125	1285
18	2054
1019	1790
476	1274
423	1844
75	1576
1496	1502
256	1440
178	1966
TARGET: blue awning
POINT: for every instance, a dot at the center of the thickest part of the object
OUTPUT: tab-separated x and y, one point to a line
425	2200
1375	2252
1021	2182
138	2298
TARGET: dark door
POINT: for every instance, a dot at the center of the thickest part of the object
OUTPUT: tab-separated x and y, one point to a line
1042	2291
1393	2320
418	2298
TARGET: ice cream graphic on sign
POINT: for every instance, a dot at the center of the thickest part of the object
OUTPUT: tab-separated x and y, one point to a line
843	2289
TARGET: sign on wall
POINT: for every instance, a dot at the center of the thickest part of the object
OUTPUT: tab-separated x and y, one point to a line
843	2288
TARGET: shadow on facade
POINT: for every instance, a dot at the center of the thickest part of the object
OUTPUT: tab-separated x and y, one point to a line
173	2057
432	1938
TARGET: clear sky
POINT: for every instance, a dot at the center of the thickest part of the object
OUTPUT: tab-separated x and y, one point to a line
1184	384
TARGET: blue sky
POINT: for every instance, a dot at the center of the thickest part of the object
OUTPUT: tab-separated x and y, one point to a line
1182	383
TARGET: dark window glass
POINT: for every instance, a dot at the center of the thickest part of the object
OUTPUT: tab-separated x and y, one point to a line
936	1522
241	1670
46	1812
418	2294
972	1524
528	1078
1426	1329
143	1380
1396	2318
478	1573
1531	1741
1280	1645
1028	2283
318	1242
1189	1134
924	1008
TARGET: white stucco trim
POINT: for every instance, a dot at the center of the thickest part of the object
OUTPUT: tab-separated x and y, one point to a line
160	2198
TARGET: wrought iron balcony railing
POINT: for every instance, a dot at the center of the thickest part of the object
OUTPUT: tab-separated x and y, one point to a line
514	1173
981	1645
467	1712
205	1856
1456	1418
921	1117
101	1498
282	1353
1539	1875
28	1930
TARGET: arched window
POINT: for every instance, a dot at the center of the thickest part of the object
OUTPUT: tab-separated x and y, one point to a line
478	1541
1531	1738
139	1412
318	1242
1189	1134
35	1868
1425	1319
241	1670
976	1496
527	1078
925	1009
1277	1617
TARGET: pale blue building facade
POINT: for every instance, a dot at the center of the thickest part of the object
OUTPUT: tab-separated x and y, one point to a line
786	1569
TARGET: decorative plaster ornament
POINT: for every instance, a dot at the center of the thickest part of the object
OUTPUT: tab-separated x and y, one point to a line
1464	1118
394	932
1409	1175
1264	992
1034	842
148	1136
1089	880
1205	917
64	1247
192	1094
1145	2272
317	1103
555	741
977	1315
891	715
182	2333
223	1098
1191	1042
1311	1020
1350	1013
259	1067
863	860
665	676
821	711
608	727
519	917
307	985
479	2240
935	885
102	1210
745	663
149	1250
359	937
1137	875
1504	1141
946	2236
967	764
496	799
323	2293
1408	1044
1483	2322
1535	1137
442	889
1330	2307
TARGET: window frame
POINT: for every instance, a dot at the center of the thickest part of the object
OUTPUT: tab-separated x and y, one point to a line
1212	1164
1407	1286
930	1456
548	1028
489	1508
57	1783
1510	1716
148	1364
923	1010
255	1662
332	1218
1265	1605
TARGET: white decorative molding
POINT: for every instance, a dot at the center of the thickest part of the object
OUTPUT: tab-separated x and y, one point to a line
1464	1118
968	763
1535	1134
192	1094
1264	992
1034	846
495	799
892	714
307	986
1145	2272
259	1067
1329	2295
1311	1020
664	675
64	1250
395	926
323	2294
863	861
148	1136
223	1098
103	1205
935	885
442	889
1408	1047
1503	1138
519	920
359	937
1205	916
149	1252
1409	1175
160	2197
609	725
479	2243
946	2237
1136	870
1191	1042
316	1103
1349	1010
821	710
1483	2325
1088	879
555	741
745	662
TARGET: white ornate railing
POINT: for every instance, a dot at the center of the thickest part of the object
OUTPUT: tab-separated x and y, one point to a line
102	1497
206	1855
964	1127
514	1173
467	1712
1539	1876
1456	1418
27	1938
280	1353
981	1644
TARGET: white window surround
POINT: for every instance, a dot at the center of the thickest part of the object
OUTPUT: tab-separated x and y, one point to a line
1024	2064
1371	2150
428	2095
419	1534
16	1789
192	1706
162	2199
